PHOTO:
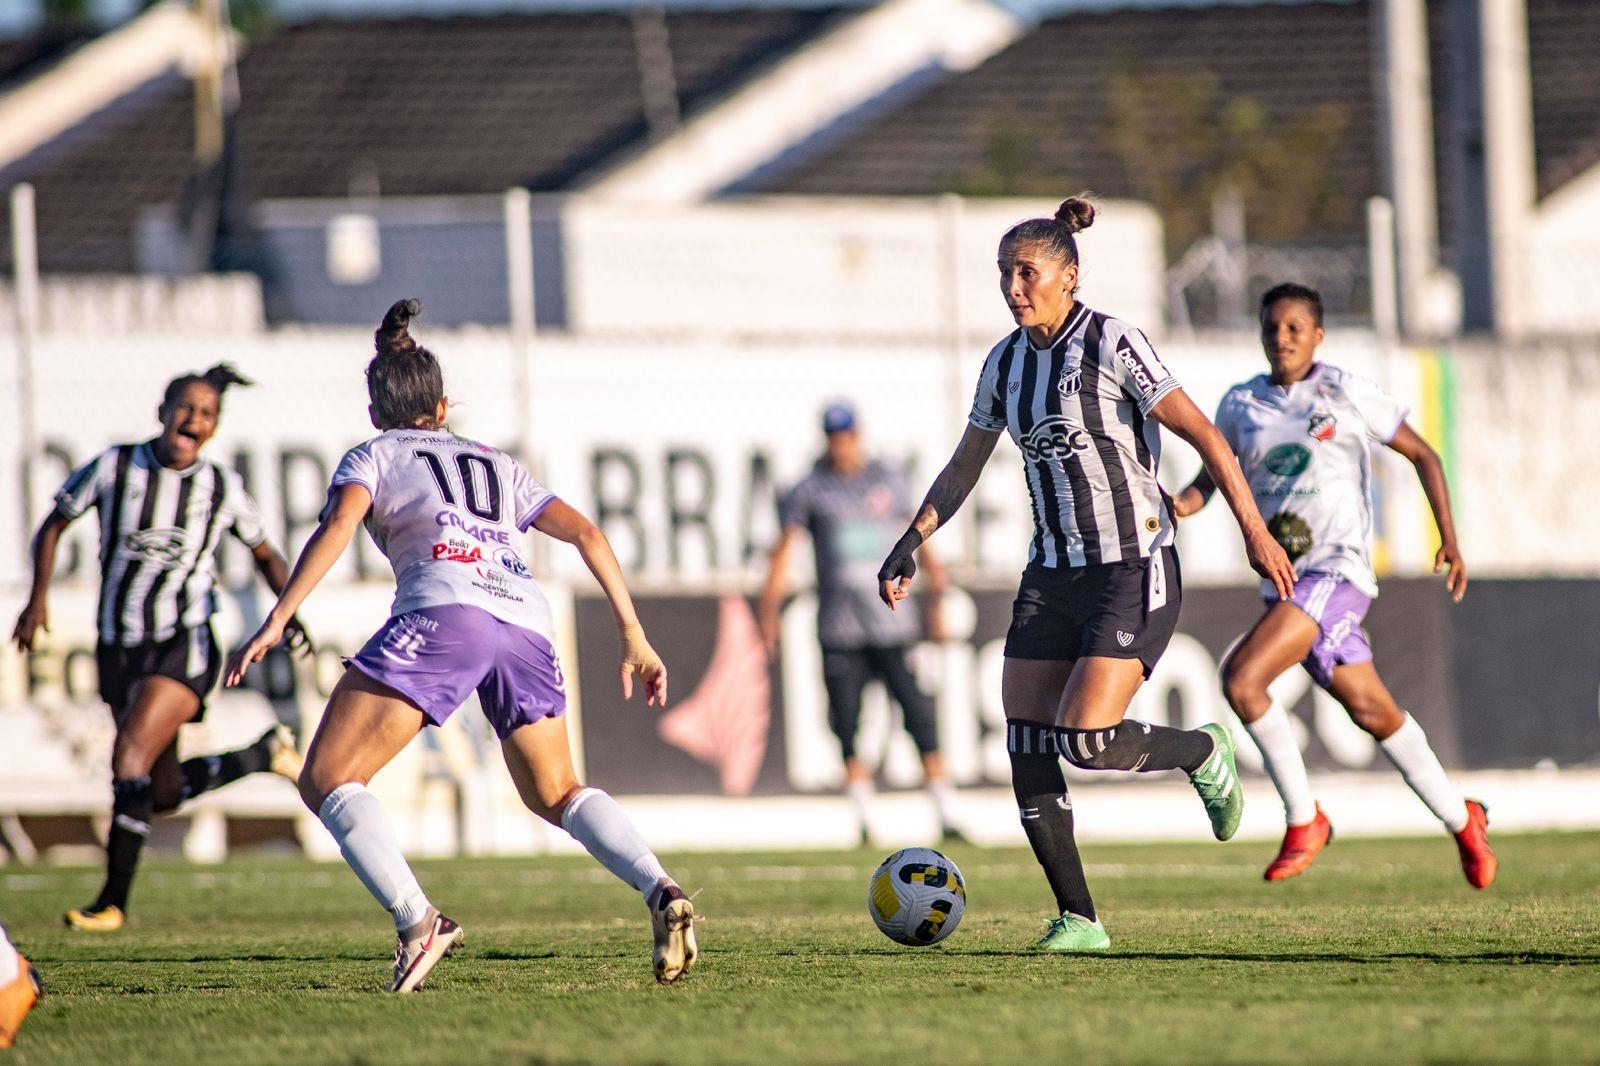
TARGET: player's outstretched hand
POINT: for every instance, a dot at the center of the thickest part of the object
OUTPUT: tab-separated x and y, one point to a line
1448	559
1268	559
268	635
640	660
894	576
34	617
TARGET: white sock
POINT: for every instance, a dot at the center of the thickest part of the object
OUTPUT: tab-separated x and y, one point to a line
9	967
366	839
1273	733
944	801
1409	750
859	793
597	821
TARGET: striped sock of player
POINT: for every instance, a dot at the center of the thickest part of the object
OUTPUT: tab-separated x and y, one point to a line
1135	745
596	821
1409	750
1274	734
131	810
201	775
1046	812
366	839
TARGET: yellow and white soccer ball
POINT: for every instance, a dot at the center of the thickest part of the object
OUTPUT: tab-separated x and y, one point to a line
917	897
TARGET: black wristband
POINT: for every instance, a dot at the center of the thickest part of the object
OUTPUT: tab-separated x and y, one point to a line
902	557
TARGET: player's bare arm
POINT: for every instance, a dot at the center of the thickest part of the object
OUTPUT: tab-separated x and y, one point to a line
945	497
1430	471
1178	413
274	570
327	544
36	612
638	659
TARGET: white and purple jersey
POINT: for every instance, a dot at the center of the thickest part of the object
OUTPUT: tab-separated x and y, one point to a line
1306	451
446	512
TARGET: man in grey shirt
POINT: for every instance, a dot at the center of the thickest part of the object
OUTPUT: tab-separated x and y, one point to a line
854	508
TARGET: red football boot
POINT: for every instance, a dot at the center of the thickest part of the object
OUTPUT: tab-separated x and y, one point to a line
1301	843
1477	857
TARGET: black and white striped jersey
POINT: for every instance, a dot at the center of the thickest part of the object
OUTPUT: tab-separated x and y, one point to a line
159	530
1078	408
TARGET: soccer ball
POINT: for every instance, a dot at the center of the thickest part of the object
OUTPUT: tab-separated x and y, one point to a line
917	897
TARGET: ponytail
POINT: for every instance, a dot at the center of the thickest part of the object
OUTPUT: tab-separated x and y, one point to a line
404	380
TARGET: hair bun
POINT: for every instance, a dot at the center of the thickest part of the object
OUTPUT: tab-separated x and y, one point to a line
222	375
1075	213
394	336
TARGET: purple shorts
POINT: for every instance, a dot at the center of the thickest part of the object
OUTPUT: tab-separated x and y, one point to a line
437	656
1338	608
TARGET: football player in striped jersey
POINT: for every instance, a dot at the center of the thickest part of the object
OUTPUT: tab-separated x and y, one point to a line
163	509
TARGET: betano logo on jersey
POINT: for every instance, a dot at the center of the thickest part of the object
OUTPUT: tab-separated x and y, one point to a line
1054	438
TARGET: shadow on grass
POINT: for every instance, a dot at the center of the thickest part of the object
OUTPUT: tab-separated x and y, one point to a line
1522	958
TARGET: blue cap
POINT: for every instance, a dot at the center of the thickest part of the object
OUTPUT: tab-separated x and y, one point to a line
838	417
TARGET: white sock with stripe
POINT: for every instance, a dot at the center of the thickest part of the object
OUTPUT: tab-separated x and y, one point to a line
1409	750
1274	734
366	839
598	822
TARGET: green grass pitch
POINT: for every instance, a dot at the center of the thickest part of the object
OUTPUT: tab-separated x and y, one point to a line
1381	953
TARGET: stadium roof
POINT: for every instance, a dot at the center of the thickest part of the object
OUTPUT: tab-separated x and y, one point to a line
408	106
1048	105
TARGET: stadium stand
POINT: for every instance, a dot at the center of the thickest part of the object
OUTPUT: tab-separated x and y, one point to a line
407	106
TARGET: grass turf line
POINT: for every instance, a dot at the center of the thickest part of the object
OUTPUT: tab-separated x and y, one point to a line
1380	953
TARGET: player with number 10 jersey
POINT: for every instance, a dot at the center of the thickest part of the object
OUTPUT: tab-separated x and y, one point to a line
467	617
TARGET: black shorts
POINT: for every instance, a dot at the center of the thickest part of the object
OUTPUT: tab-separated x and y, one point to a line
190	656
845	671
1125	610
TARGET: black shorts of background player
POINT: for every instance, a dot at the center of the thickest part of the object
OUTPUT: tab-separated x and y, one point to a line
162	511
1083	396
853	507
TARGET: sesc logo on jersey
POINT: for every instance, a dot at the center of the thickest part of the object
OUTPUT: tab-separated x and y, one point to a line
161	546
1054	438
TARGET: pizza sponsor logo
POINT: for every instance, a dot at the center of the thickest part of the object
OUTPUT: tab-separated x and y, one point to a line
456	550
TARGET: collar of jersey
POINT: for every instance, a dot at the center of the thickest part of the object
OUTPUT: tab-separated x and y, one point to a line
1079	315
148	451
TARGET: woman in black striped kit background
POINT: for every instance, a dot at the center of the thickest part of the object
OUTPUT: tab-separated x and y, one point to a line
163	510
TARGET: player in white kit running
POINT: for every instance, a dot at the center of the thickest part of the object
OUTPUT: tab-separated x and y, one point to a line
1303	435
467	616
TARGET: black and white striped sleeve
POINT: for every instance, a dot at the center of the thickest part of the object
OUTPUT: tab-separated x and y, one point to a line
1138	371
988	402
244	517
83	489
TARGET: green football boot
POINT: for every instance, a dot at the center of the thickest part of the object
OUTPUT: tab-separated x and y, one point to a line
1217	781
1070	932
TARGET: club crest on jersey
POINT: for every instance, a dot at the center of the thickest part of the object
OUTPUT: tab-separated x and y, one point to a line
1070	381
1322	425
